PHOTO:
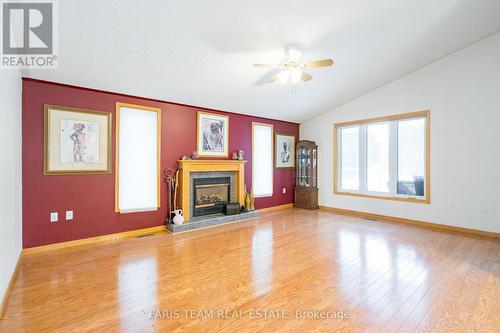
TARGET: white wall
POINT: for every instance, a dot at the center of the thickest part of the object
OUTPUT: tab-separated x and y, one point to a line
10	175
462	91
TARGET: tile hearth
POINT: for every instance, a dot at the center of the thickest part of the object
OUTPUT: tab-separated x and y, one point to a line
210	220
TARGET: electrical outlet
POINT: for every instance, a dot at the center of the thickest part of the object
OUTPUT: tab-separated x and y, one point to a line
54	217
69	215
483	206
284	189
451	203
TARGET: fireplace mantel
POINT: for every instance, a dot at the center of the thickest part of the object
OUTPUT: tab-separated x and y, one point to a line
188	166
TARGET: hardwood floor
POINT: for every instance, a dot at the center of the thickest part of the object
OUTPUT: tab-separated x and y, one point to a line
382	276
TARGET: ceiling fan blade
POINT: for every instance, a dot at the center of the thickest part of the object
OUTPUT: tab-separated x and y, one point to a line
319	63
305	77
265	65
268	75
274	78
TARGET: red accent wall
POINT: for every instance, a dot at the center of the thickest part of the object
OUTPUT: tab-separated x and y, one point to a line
92	197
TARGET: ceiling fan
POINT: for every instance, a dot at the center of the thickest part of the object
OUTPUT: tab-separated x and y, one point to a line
293	70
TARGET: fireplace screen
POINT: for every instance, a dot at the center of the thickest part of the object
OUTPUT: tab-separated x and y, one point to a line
210	194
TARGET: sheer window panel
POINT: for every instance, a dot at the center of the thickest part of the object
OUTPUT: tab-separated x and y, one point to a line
138	159
262	159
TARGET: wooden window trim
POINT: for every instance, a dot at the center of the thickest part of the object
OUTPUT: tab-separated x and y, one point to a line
408	115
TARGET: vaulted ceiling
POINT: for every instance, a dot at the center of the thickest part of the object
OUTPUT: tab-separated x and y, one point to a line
201	52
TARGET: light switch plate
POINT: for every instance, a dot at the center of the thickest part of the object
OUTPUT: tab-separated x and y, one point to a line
69	215
54	217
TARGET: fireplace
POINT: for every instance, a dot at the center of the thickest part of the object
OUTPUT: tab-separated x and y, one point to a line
210	195
190	170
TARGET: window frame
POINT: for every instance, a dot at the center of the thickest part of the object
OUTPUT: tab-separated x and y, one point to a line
272	158
385	196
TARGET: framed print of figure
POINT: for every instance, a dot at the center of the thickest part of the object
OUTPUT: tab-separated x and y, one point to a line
285	150
76	140
212	135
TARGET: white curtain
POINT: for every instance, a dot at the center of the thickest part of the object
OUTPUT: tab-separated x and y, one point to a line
262	159
137	160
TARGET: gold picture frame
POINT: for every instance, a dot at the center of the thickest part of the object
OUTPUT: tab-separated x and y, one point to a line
290	139
215	148
76	141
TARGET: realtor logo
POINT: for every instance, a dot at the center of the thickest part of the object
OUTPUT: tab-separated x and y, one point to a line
28	35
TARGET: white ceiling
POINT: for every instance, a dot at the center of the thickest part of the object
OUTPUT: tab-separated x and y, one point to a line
201	52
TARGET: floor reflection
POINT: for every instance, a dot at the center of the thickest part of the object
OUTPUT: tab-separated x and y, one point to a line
376	273
388	276
262	259
137	289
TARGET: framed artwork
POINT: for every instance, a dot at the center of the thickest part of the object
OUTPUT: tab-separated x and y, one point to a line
212	137
76	140
285	150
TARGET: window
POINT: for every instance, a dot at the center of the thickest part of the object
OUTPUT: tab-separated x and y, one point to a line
386	157
411	156
377	157
137	158
350	158
262	159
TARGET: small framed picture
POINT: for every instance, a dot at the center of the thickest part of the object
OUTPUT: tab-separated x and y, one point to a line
76	141
212	135
285	150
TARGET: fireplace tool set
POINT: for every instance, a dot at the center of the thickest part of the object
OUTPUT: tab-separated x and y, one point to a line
172	180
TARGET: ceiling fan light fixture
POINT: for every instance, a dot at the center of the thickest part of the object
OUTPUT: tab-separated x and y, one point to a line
295	75
294	54
284	76
293	70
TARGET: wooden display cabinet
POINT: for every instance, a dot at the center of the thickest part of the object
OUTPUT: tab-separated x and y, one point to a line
306	187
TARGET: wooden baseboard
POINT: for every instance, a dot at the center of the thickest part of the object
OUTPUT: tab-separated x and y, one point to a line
110	237
355	213
13	278
273	208
120	235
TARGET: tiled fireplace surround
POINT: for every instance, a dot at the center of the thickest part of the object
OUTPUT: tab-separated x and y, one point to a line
211	174
193	169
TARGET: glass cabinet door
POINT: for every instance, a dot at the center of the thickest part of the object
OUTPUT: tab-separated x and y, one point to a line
313	167
306	165
306	170
303	174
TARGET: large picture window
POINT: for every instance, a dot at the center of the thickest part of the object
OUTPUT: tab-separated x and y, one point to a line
262	159
385	157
